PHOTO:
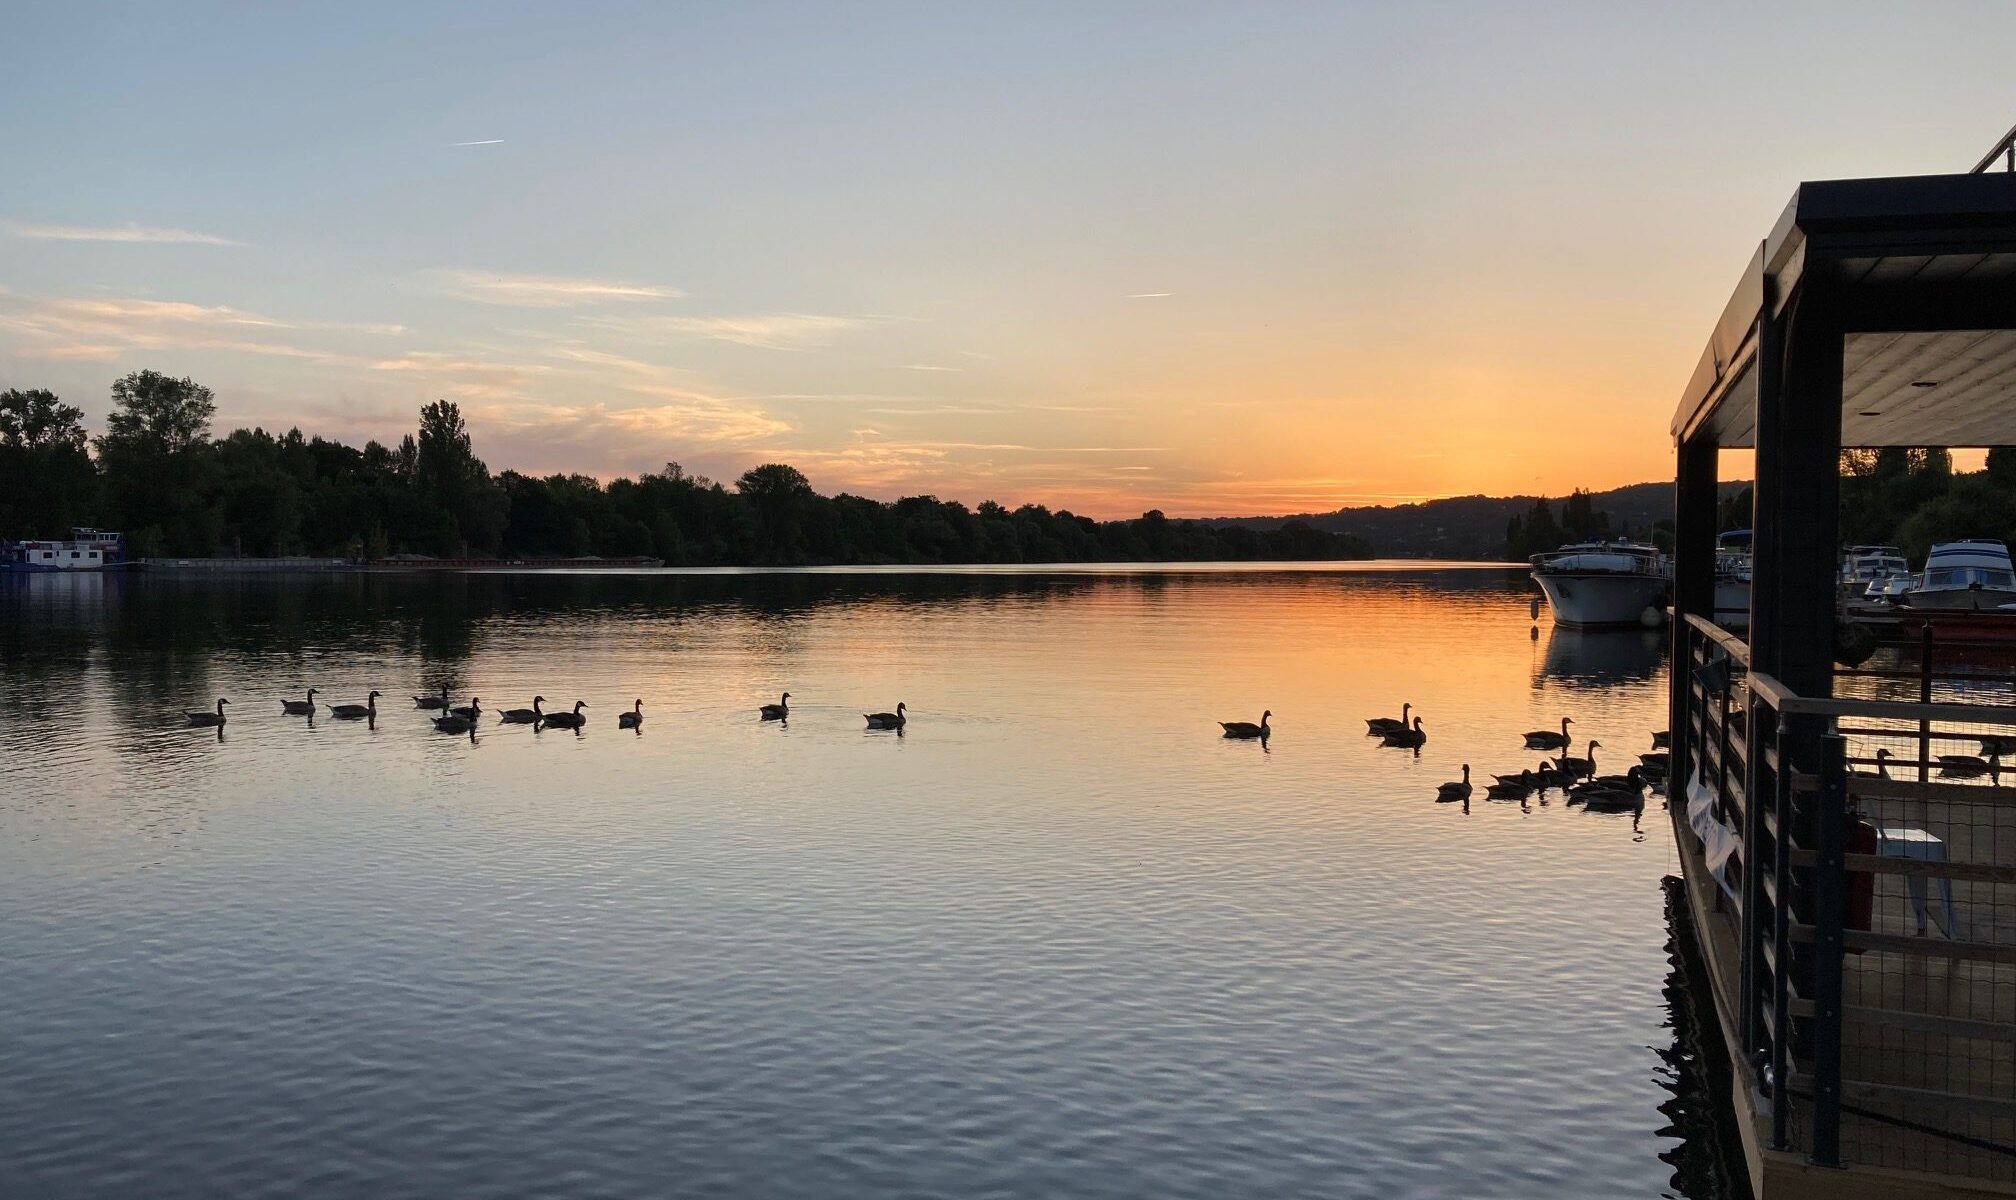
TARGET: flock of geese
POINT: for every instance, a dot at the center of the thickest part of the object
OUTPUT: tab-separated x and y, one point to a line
1575	775
464	718
1572	774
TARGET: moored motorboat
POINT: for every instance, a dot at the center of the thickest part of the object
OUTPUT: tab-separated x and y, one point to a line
1603	583
1973	575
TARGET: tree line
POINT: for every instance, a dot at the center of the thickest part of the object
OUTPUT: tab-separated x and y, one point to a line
1897	496
158	475
1539	531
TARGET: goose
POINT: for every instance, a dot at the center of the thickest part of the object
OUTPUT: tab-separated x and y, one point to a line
1415	737
1654	762
1883	763
1966	766
779	710
356	712
523	716
1388	724
1631	781
300	708
1578	768
440	701
568	720
631	719
207	719
1522	777
469	710
454	722
1611	800
1662	739
1547	739
1998	743
1449	793
1546	777
1247	729
895	720
1511	787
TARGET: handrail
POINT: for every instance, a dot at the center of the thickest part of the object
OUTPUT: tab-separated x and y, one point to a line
1736	648
2006	148
1785	700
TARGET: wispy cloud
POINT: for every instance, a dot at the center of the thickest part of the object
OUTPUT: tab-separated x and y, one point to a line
927	367
540	291
481	142
938	410
116	233
1148	295
773	331
105	327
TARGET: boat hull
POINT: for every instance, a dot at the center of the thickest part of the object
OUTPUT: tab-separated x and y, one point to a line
1594	600
1732	603
1961	599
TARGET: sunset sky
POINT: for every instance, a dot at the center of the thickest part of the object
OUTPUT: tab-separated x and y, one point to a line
1213	259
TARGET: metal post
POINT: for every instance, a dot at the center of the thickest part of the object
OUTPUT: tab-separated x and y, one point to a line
1830	902
1750	922
1925	697
1781	934
1693	583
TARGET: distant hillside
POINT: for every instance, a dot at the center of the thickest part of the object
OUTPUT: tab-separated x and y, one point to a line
1473	527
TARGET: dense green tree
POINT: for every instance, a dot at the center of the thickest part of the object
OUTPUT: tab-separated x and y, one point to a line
471	509
781	497
154	454
54	484
36	420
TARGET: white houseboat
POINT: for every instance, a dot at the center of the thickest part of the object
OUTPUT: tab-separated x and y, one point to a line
1603	583
83	550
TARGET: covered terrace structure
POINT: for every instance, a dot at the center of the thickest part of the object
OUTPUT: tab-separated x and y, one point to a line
1860	930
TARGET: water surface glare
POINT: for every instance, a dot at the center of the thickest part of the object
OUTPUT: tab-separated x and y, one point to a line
1059	939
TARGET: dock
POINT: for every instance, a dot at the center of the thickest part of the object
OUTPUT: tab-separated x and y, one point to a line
1857	912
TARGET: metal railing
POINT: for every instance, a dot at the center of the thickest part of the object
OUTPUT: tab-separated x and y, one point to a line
1872	916
2004	149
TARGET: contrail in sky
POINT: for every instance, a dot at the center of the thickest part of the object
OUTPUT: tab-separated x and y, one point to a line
1149	295
485	142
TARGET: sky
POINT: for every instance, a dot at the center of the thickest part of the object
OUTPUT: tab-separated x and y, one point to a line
1212	259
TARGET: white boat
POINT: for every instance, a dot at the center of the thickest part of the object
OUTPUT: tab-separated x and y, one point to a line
84	550
1603	583
1732	579
1873	573
1974	574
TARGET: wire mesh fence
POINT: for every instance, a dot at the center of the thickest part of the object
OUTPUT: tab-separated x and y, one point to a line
1878	936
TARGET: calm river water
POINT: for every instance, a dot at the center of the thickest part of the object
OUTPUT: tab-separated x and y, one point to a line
1060	939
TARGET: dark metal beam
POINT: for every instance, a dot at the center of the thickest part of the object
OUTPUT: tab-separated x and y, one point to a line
1797	496
1930	308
